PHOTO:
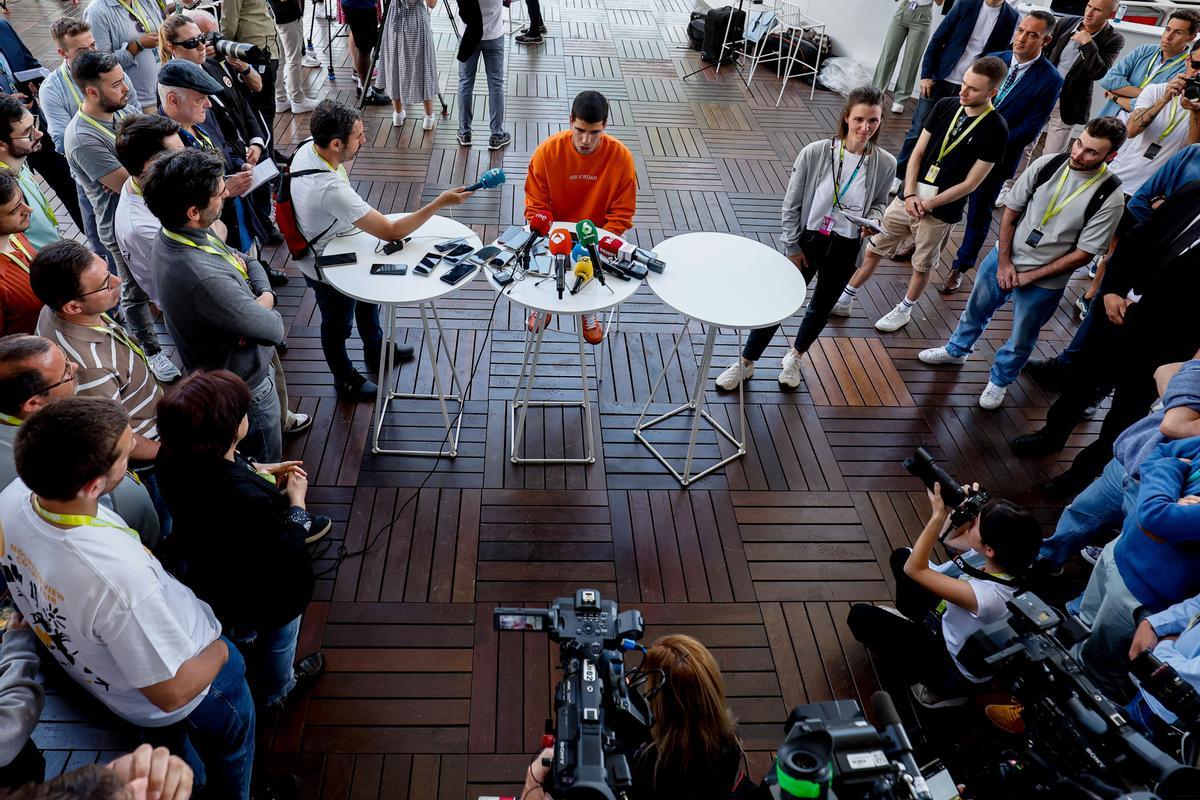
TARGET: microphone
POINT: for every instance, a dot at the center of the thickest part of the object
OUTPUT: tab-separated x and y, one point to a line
560	248
585	229
893	732
583	273
488	180
578	252
539	223
611	249
631	252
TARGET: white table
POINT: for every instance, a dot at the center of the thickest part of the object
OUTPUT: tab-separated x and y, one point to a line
722	281
539	294
389	291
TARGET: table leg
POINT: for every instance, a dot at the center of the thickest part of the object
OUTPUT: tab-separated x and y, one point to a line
385	377
698	398
529	375
674	350
432	352
589	449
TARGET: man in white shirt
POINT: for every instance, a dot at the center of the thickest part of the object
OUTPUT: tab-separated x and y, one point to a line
120	625
491	46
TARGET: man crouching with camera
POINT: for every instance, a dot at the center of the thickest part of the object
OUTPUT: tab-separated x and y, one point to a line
939	607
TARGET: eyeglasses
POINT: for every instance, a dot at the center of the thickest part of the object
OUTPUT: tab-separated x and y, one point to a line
68	375
28	134
107	285
190	44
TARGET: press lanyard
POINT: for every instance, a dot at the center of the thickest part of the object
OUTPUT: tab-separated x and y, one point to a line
839	193
9	419
111	328
220	250
208	143
1165	65
1172	122
31	188
340	171
81	520
21	248
947	146
70	82
143	20
1054	208
95	124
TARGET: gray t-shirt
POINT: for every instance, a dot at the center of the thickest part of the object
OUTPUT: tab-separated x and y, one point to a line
92	154
1059	232
325	204
1068	57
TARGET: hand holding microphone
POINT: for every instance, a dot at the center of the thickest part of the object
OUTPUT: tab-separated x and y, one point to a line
560	248
488	180
583	273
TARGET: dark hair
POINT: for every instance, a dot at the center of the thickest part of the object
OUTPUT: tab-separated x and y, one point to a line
1045	16
140	138
18	380
63	27
198	417
332	120
89	66
1195	46
1109	128
68	443
10	187
1188	16
180	181
1013	533
11	113
590	106
991	68
862	96
93	782
55	270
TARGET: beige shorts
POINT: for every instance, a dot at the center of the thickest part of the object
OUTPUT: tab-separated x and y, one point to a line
929	233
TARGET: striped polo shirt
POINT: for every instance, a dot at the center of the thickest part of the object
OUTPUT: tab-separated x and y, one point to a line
108	367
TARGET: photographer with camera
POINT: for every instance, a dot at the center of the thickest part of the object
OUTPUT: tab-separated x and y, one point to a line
694	752
937	612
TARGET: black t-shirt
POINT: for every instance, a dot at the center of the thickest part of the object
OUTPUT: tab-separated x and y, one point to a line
701	781
985	142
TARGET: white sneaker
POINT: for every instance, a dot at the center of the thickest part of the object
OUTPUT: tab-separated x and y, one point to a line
1094	265
1001	197
893	320
282	106
939	355
732	377
841	309
897	108
163	368
398	118
790	374
428	122
992	396
305	105
310	60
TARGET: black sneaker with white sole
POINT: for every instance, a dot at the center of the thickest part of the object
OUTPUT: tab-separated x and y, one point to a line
464	138
499	140
529	38
541	29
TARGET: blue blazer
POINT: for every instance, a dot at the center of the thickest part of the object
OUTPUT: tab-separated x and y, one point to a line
15	51
1028	104
948	42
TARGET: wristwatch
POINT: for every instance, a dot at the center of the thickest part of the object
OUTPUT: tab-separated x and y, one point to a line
243	73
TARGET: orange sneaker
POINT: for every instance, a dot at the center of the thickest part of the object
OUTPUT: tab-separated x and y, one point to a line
593	331
1007	717
537	321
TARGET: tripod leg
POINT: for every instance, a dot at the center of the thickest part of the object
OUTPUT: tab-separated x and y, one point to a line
368	83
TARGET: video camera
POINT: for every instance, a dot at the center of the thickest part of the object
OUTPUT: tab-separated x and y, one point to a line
1078	740
598	718
964	507
1163	683
227	48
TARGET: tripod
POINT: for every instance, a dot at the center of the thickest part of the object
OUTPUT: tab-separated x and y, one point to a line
387	4
738	53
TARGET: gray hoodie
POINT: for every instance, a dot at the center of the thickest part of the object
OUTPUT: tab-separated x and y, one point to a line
21	695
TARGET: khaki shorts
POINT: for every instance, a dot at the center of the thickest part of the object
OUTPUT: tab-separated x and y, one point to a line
929	233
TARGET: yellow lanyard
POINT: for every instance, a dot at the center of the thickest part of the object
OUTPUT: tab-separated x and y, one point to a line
136	188
1172	122
95	124
947	145
70	82
143	20
1166	65
81	520
28	256
111	328
340	171
220	250
9	419
206	143
1055	207
33	192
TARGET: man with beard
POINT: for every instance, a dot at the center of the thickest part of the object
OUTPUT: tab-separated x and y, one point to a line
19	306
20	137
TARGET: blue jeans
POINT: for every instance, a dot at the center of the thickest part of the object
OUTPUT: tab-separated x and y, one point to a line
220	732
1032	308
338	313
264	440
493	67
1102	505
941	90
272	656
89	229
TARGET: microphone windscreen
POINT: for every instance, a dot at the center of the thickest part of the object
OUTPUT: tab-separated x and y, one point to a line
492	178
540	222
610	246
578	252
583	268
885	709
585	229
560	242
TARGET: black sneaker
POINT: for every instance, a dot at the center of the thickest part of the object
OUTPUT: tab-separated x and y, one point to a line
499	140
1048	373
1037	443
317	528
308	669
276	277
541	29
377	98
358	388
464	138
529	38
402	354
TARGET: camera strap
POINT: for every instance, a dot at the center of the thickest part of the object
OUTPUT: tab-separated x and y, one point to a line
1001	578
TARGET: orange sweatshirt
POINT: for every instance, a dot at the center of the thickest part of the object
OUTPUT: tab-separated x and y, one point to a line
601	186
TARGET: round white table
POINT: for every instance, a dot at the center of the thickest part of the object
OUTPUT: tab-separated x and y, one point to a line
721	281
355	280
540	295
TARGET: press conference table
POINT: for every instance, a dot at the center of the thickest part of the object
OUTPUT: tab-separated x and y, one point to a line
389	291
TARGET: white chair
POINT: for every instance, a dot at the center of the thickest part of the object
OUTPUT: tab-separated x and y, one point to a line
762	25
790	24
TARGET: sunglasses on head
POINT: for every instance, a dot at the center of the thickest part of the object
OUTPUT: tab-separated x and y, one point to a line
190	44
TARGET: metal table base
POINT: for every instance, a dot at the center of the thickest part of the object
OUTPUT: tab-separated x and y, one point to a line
696	406
387	369
519	406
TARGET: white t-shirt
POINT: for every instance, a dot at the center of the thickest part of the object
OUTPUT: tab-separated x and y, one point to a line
103	605
852	201
493	19
1131	164
136	228
323	200
984	23
958	624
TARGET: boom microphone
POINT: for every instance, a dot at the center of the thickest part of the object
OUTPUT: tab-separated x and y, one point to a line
585	229
893	730
488	180
583	273
560	248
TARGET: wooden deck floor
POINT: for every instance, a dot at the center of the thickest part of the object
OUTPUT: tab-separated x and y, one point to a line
422	698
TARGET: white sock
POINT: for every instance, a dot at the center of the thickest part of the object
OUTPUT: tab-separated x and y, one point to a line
906	304
848	295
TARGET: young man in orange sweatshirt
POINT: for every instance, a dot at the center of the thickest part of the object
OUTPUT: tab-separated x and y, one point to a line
582	174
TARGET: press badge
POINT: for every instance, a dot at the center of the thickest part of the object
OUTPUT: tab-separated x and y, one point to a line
1035	236
932	173
1153	150
826	225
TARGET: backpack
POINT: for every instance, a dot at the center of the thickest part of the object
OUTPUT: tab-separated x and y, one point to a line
285	213
1106	188
695	30
716	22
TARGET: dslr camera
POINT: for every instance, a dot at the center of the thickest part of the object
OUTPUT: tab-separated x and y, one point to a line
227	48
1191	88
964	507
